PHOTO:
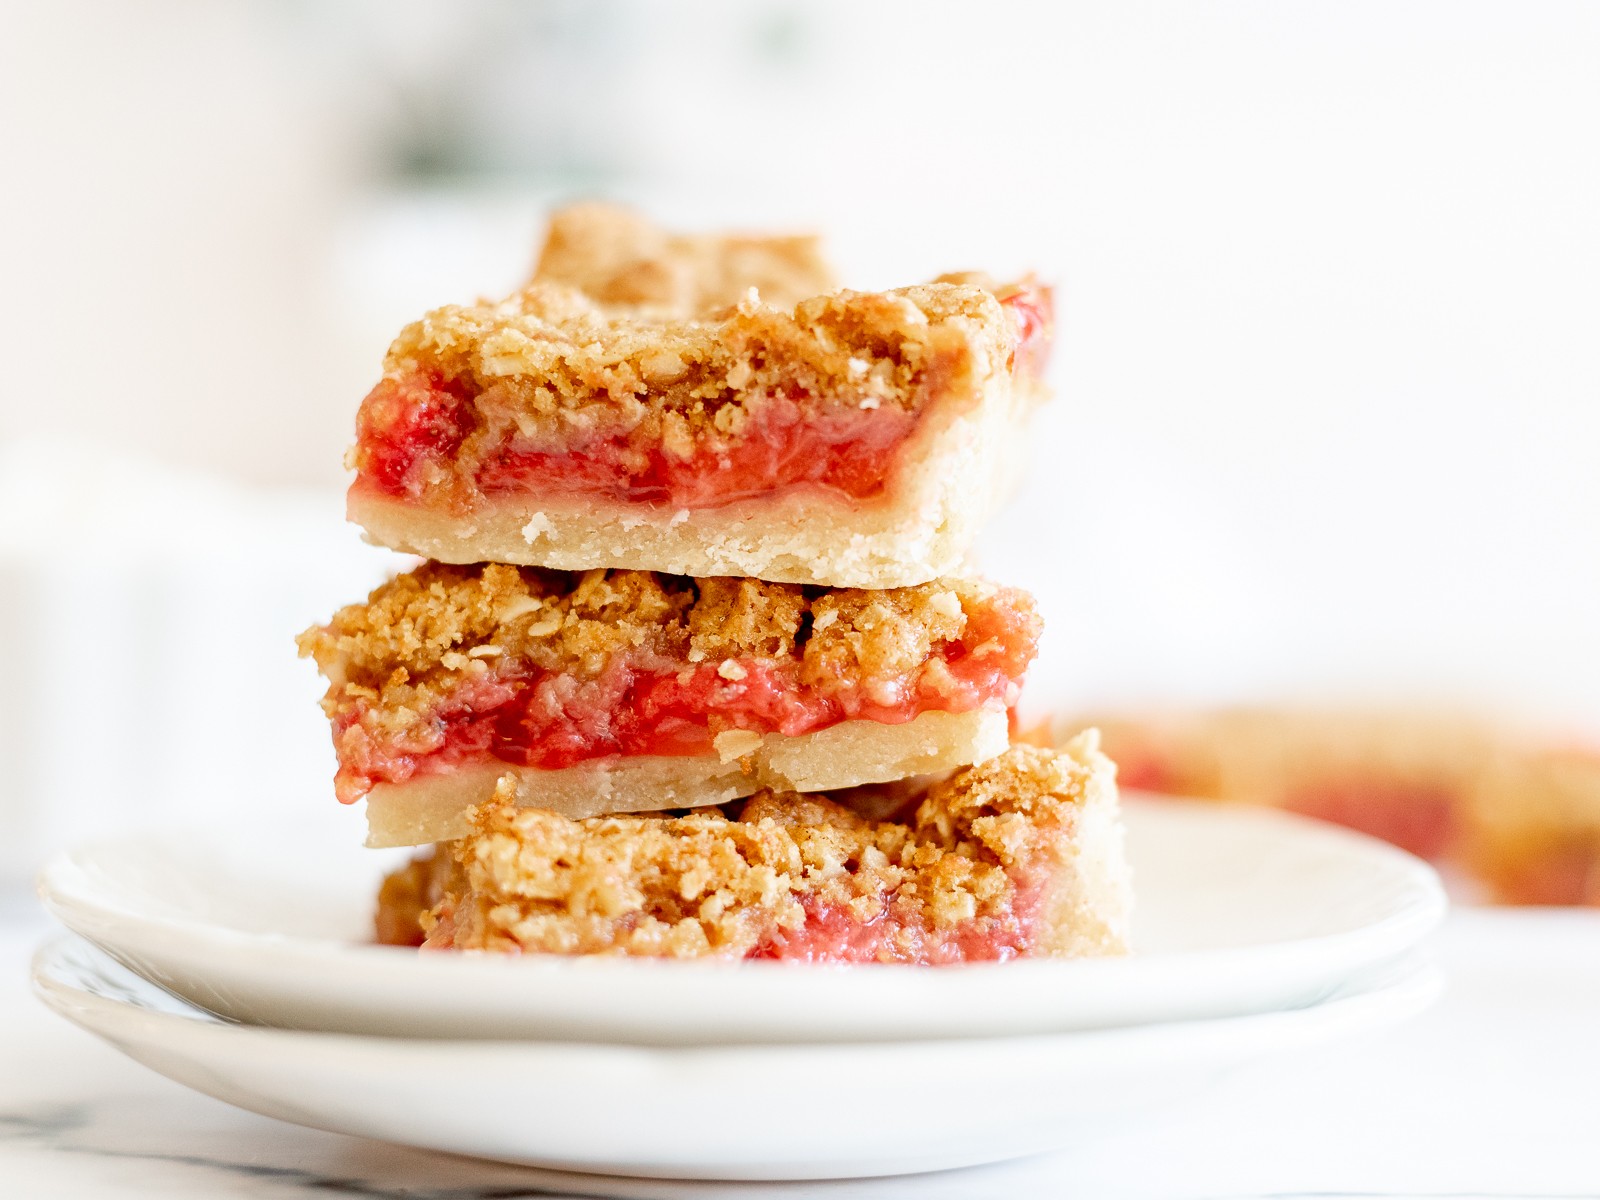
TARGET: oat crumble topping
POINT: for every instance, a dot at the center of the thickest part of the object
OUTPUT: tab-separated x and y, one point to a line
550	364
423	634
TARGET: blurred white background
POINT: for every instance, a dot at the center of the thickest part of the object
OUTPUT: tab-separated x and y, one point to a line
1329	382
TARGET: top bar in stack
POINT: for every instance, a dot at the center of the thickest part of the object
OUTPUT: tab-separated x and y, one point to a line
702	406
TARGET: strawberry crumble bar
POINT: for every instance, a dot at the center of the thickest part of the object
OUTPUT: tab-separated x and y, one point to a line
1515	813
618	691
1394	776
1020	856
692	669
702	406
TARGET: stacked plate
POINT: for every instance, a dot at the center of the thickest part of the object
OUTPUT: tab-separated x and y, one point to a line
237	966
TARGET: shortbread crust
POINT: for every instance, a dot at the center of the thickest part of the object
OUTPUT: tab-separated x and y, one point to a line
434	808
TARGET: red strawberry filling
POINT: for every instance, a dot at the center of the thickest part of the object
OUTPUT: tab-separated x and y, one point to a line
783	447
408	432
536	718
411	430
1033	309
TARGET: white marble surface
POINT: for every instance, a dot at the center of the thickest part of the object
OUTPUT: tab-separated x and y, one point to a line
1496	1092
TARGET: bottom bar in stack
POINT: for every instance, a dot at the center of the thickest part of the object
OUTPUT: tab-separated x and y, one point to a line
1019	856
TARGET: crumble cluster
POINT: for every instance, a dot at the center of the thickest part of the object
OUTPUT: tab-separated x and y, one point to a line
425	632
620	260
724	883
409	894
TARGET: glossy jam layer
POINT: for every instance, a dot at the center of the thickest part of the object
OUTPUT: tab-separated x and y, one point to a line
408	432
784	446
411	429
1033	309
550	720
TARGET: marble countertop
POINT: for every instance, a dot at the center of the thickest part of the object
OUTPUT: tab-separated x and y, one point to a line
1494	1092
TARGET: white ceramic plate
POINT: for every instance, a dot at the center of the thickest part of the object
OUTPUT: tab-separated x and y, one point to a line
731	1112
1239	911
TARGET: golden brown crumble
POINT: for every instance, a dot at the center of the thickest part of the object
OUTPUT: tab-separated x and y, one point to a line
710	883
618	258
423	634
550	363
667	340
408	894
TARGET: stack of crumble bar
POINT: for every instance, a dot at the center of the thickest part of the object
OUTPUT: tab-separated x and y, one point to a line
692	669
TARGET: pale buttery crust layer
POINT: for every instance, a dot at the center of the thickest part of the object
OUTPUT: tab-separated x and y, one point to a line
1019	856
435	808
1520	815
956	469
